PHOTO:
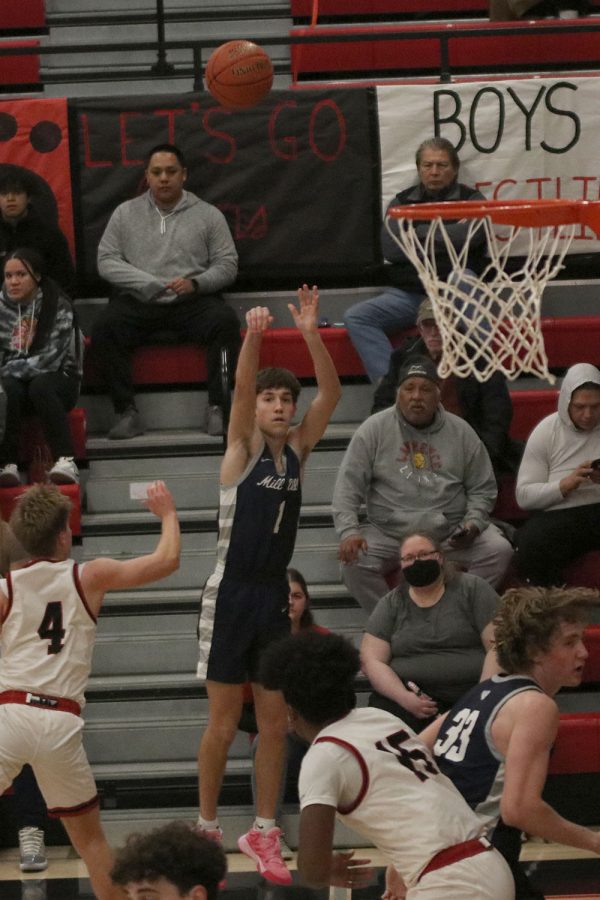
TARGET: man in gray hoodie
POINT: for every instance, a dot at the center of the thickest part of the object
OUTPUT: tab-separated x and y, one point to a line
167	254
416	467
559	481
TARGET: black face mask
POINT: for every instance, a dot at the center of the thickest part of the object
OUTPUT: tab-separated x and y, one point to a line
422	572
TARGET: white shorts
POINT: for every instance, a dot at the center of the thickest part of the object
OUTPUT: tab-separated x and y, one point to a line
485	876
50	741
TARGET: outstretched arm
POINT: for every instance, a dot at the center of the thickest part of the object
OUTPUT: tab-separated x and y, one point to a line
242	420
101	575
306	318
317	864
531	738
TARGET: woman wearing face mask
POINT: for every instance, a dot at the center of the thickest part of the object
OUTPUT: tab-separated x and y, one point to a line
40	362
430	639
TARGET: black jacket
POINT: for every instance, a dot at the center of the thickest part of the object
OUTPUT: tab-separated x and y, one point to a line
400	272
486	405
47	239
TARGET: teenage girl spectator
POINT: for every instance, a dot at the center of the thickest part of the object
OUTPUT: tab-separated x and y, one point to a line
40	363
430	639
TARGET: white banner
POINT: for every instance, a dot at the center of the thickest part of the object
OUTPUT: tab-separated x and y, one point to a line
534	138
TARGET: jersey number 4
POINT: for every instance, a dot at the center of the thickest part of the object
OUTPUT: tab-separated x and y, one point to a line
51	627
416	760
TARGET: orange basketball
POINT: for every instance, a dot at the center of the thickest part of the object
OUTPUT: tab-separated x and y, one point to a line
238	74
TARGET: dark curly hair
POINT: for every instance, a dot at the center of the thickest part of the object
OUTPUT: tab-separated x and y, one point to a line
528	620
174	852
315	673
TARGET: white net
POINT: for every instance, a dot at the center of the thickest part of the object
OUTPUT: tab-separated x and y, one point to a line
491	321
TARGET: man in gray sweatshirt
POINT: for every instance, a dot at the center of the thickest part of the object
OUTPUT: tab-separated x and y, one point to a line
417	468
166	254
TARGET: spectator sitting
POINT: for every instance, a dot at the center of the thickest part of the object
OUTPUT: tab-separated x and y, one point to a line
21	225
485	405
40	363
416	467
559	481
370	321
167	255
430	639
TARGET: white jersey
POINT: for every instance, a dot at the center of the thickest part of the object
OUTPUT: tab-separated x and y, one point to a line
48	633
385	785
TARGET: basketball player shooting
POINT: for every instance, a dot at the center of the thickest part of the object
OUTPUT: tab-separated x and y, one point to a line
245	600
48	612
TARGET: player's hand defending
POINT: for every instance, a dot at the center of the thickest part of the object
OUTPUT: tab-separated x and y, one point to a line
306	318
349	872
350	547
159	499
258	319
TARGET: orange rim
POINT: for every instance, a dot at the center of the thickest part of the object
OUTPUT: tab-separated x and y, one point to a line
528	213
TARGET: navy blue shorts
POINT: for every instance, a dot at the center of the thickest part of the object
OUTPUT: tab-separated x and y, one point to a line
238	619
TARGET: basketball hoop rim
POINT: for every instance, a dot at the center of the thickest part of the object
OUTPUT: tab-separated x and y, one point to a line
527	213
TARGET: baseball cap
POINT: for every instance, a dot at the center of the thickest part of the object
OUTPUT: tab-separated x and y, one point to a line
420	367
425	311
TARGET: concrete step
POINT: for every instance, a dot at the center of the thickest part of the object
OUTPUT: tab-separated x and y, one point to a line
315	553
182	410
193	480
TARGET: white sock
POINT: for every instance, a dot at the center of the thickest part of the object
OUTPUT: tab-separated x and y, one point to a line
264	825
211	825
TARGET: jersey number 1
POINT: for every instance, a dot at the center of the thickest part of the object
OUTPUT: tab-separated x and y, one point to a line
51	627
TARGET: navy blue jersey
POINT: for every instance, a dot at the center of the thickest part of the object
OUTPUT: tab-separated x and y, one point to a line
464	750
258	519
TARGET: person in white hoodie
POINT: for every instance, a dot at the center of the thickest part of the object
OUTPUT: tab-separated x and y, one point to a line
167	255
559	481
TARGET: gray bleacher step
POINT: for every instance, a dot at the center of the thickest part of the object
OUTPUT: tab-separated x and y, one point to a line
126	645
145	740
326	594
193	480
315	553
182	412
234	820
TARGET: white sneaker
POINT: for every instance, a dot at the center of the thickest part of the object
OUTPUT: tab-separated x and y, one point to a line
9	475
32	850
64	471
286	850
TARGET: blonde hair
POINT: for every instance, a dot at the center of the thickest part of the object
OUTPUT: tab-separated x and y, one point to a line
40	515
529	617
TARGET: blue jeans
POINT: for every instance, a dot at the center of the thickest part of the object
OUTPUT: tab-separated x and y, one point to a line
370	321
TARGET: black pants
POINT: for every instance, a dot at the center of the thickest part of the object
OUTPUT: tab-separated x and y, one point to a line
50	397
30	806
126	324
549	541
507	840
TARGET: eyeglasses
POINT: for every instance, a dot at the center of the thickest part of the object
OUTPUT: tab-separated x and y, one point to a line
410	558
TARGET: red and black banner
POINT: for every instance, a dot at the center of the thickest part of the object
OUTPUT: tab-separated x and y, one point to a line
297	176
34	140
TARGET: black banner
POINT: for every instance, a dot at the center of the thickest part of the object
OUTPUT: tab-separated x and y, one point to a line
297	176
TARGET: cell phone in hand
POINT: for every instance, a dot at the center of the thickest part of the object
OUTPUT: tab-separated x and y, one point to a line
595	464
459	534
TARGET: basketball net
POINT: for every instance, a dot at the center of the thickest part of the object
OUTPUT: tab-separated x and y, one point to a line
492	321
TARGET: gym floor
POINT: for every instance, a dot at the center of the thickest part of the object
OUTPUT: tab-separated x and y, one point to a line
560	872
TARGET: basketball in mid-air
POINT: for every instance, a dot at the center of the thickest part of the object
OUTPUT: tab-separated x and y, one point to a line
239	74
